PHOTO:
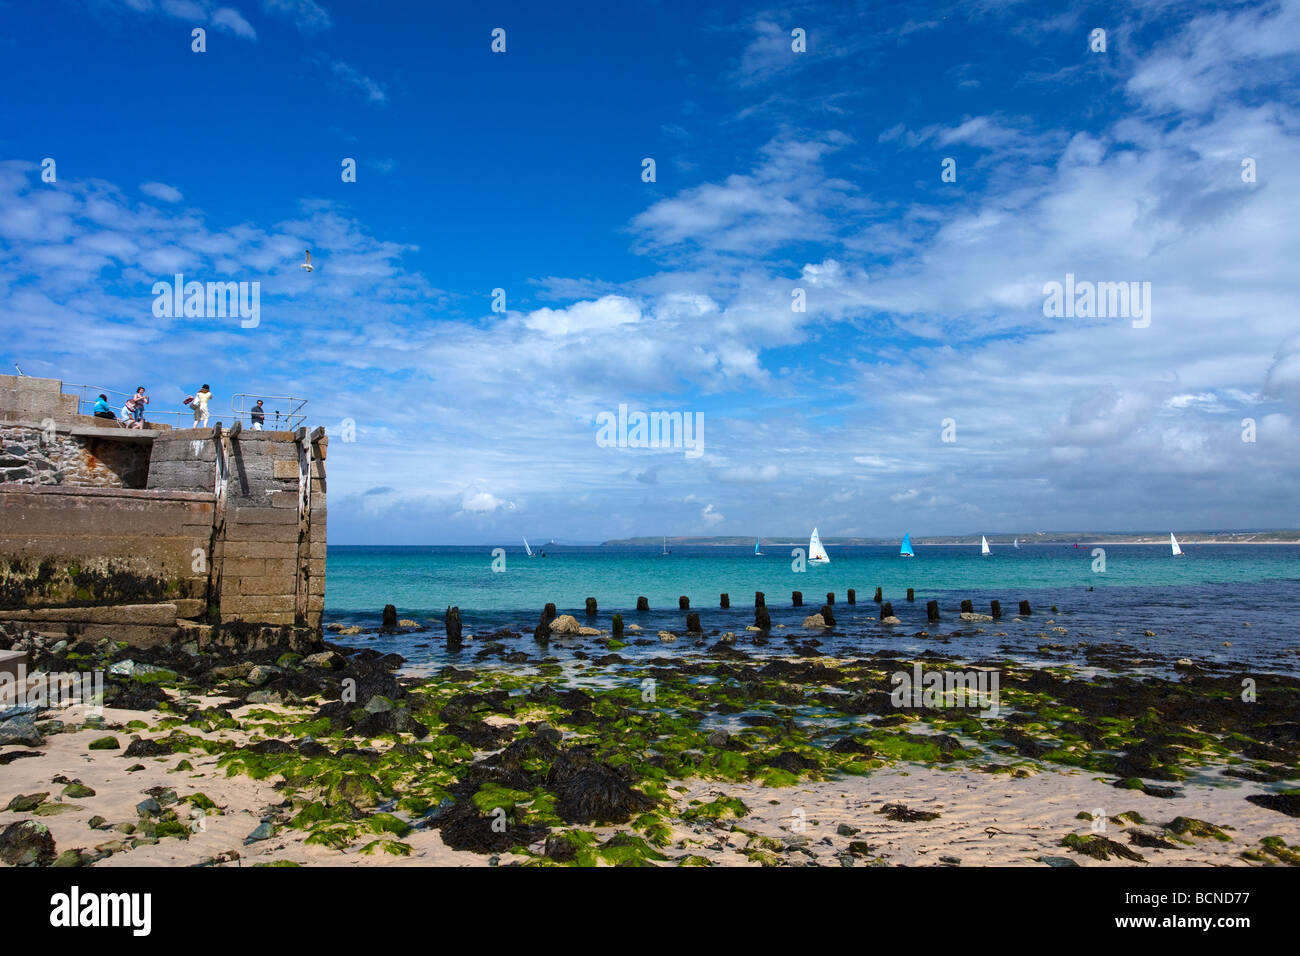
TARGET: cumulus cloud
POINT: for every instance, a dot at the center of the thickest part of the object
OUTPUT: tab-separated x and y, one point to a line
483	502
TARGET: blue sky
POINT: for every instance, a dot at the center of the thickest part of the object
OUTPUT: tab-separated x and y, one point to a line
775	170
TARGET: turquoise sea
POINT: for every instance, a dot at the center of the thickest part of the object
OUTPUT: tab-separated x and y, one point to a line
1245	595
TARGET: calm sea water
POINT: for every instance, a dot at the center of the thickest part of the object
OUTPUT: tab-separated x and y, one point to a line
1248	596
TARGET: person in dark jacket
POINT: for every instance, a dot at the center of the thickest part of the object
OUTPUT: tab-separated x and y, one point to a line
258	415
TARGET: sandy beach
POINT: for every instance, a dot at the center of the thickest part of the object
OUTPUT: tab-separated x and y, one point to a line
900	813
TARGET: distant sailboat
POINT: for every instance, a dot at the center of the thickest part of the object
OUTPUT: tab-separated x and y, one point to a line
816	553
1016	544
757	553
906	550
1173	545
667	550
984	545
528	549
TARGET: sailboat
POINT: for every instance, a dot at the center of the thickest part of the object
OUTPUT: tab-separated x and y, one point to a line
667	550
984	545
757	553
528	549
1173	545
1016	544
816	553
906	550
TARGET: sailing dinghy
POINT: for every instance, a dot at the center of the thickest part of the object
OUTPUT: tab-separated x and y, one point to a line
906	550
984	545
816	553
1173	545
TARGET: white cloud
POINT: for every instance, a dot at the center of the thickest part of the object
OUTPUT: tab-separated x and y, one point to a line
608	312
161	191
350	76
307	15
226	18
482	502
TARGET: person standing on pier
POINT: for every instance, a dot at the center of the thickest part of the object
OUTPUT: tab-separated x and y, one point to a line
200	406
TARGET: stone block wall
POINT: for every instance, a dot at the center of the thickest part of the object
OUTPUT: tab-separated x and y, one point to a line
28	399
30	455
75	547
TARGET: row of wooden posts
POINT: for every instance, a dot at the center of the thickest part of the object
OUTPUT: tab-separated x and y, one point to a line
762	619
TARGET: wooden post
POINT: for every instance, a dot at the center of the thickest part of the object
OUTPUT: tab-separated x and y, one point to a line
683	603
759	600
762	619
616	625
828	615
796	599
967	607
390	616
911	594
932	611
693	623
830	597
642	604
1025	610
879	596
725	600
453	628
853	596
886	610
542	632
591	607
996	608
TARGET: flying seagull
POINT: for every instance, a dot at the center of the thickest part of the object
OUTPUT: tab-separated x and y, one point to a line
307	266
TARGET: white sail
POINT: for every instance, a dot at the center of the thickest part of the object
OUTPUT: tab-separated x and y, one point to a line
984	545
1173	545
816	552
528	549
1016	544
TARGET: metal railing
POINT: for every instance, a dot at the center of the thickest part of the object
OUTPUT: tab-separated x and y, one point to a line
279	412
88	394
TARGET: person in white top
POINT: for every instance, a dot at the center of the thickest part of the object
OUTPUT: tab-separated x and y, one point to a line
200	406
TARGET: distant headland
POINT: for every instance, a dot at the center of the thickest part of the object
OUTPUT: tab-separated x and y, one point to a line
1007	538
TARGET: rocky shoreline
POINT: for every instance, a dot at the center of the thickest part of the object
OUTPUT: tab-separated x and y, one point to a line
721	754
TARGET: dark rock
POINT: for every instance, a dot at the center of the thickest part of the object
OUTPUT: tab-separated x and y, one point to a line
147	748
1288	803
389	616
26	803
464	828
26	843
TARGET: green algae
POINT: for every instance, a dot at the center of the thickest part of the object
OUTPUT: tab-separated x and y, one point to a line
720	808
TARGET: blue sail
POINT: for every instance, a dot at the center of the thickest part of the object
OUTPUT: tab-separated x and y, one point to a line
907	545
